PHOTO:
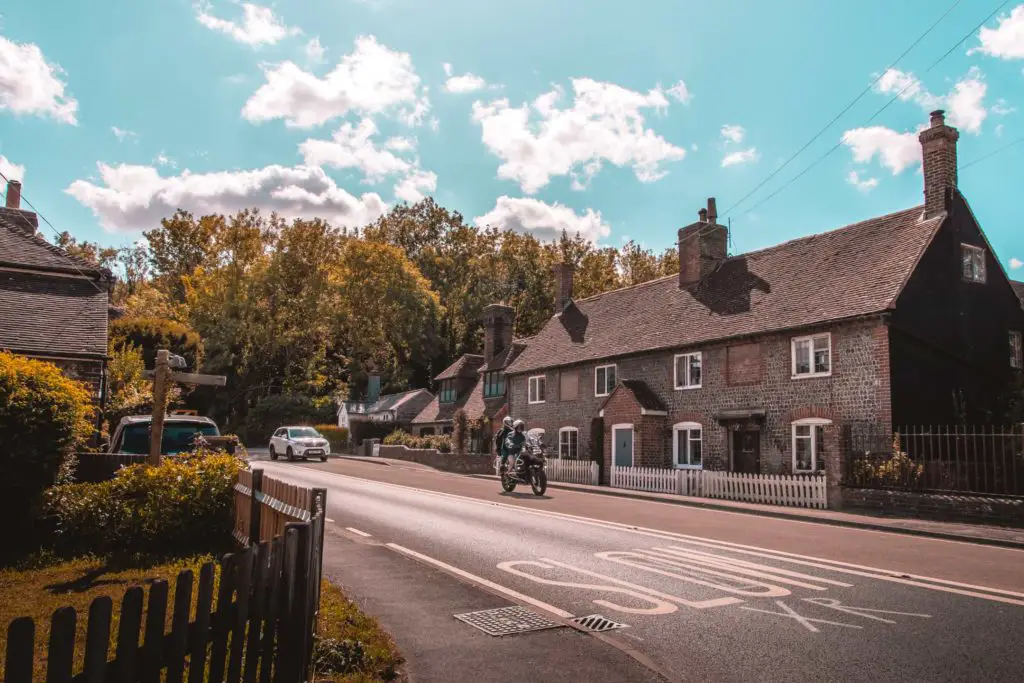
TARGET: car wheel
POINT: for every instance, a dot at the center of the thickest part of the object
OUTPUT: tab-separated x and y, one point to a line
273	453
291	455
323	458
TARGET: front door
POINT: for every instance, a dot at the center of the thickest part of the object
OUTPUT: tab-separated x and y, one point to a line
622	446
746	451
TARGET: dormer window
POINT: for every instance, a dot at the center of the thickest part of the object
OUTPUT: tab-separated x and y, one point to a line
973	263
449	392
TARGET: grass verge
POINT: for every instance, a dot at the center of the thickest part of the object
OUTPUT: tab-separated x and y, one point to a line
351	647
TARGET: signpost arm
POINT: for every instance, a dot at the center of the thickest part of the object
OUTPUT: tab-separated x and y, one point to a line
159	406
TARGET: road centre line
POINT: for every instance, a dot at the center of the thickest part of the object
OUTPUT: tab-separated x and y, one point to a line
479	580
357	532
892	576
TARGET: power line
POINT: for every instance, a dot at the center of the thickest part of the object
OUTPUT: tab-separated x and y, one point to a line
886	106
845	109
55	231
992	153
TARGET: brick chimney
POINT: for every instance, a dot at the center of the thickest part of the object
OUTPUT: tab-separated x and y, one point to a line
499	321
563	285
13	194
373	388
938	154
702	246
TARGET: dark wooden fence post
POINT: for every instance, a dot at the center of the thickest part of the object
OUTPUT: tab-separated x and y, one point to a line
255	507
318	522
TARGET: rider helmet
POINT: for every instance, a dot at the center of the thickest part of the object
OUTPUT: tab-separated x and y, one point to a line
518	425
507	421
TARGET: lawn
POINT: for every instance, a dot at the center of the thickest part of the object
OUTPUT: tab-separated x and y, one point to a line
349	641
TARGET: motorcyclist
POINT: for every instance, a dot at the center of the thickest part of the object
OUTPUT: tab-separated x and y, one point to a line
499	441
516	439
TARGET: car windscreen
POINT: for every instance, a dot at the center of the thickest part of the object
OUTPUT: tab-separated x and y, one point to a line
177	437
303	433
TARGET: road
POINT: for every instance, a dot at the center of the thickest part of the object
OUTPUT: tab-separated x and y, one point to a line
704	594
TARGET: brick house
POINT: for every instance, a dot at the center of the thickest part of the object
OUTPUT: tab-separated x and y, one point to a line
762	362
54	307
390	409
475	383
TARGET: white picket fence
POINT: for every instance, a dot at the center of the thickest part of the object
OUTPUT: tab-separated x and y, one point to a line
573	471
772	489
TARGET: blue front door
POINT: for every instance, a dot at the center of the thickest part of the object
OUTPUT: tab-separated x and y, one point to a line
622	444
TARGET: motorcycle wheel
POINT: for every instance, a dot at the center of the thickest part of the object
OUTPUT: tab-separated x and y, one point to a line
508	484
539	482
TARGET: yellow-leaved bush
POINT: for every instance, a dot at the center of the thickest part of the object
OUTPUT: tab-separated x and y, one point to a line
182	507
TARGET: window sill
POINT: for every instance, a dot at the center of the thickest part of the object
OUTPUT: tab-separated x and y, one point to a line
696	386
602	395
814	375
535	403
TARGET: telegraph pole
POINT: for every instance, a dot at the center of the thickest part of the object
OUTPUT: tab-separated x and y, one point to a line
160	373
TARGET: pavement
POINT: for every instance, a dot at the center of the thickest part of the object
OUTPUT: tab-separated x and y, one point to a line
703	594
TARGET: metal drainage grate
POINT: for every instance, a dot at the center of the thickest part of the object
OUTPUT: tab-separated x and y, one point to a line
506	621
595	623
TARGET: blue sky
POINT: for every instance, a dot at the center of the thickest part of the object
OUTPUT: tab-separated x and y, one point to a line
614	119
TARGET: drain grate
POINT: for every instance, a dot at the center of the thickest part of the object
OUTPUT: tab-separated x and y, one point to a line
506	621
595	623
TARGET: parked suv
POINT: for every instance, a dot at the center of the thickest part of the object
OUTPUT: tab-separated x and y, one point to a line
299	442
133	434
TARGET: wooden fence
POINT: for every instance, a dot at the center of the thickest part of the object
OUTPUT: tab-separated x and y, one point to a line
573	471
264	505
260	631
772	489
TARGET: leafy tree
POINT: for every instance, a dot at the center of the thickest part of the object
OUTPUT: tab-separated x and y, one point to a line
153	334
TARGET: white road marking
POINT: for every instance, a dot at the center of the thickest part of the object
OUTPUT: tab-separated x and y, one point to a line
357	532
624	557
727	568
879	574
329	520
734	562
479	580
832	603
790	613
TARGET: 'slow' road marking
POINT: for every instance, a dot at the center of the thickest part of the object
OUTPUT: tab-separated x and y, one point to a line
357	532
479	580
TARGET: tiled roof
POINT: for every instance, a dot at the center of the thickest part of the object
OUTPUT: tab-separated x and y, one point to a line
857	270
505	358
645	397
1018	287
466	366
20	246
384	403
52	315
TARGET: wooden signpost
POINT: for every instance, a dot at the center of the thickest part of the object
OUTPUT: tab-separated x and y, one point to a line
162	375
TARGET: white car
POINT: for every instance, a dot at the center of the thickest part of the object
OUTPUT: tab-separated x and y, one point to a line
299	442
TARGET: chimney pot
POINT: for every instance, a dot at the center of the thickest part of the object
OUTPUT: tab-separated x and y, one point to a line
13	194
702	247
938	118
712	210
703	214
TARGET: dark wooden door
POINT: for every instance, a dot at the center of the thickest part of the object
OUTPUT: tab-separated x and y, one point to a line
746	451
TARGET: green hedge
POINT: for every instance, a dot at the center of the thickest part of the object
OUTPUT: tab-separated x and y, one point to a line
185	506
338	436
442	443
280	410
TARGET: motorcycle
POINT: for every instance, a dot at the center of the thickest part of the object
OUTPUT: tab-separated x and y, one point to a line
526	468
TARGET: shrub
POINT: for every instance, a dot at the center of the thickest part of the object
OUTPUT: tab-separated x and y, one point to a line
44	418
278	410
151	334
338	436
442	443
184	506
460	431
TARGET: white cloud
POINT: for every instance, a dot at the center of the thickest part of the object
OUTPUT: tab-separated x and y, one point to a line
11	170
31	85
745	156
462	84
400	144
1002	108
908	87
1016	263
1005	41
122	134
965	102
315	51
413	186
680	92
999	130
373	79
862	184
605	123
130	197
164	160
896	151
544	221
259	25
733	133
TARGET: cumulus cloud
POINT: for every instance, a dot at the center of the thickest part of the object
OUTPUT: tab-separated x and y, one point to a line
733	133
129	197
413	187
604	124
373	79
11	170
745	156
1016	263
863	184
964	103
680	93
31	85
544	221
896	151
1006	40
121	134
315	51
259	26
462	84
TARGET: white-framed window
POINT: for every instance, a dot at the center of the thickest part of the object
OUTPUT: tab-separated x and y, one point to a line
812	355
1016	359
687	445
809	444
537	389
604	380
569	443
973	259
688	370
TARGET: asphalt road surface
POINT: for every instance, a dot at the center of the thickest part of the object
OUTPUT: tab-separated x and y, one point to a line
705	595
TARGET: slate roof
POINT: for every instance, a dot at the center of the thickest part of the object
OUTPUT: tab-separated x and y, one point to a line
384	403
21	247
1018	288
846	273
466	365
503	359
643	394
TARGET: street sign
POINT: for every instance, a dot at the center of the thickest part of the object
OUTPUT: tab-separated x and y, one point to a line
191	378
162	374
